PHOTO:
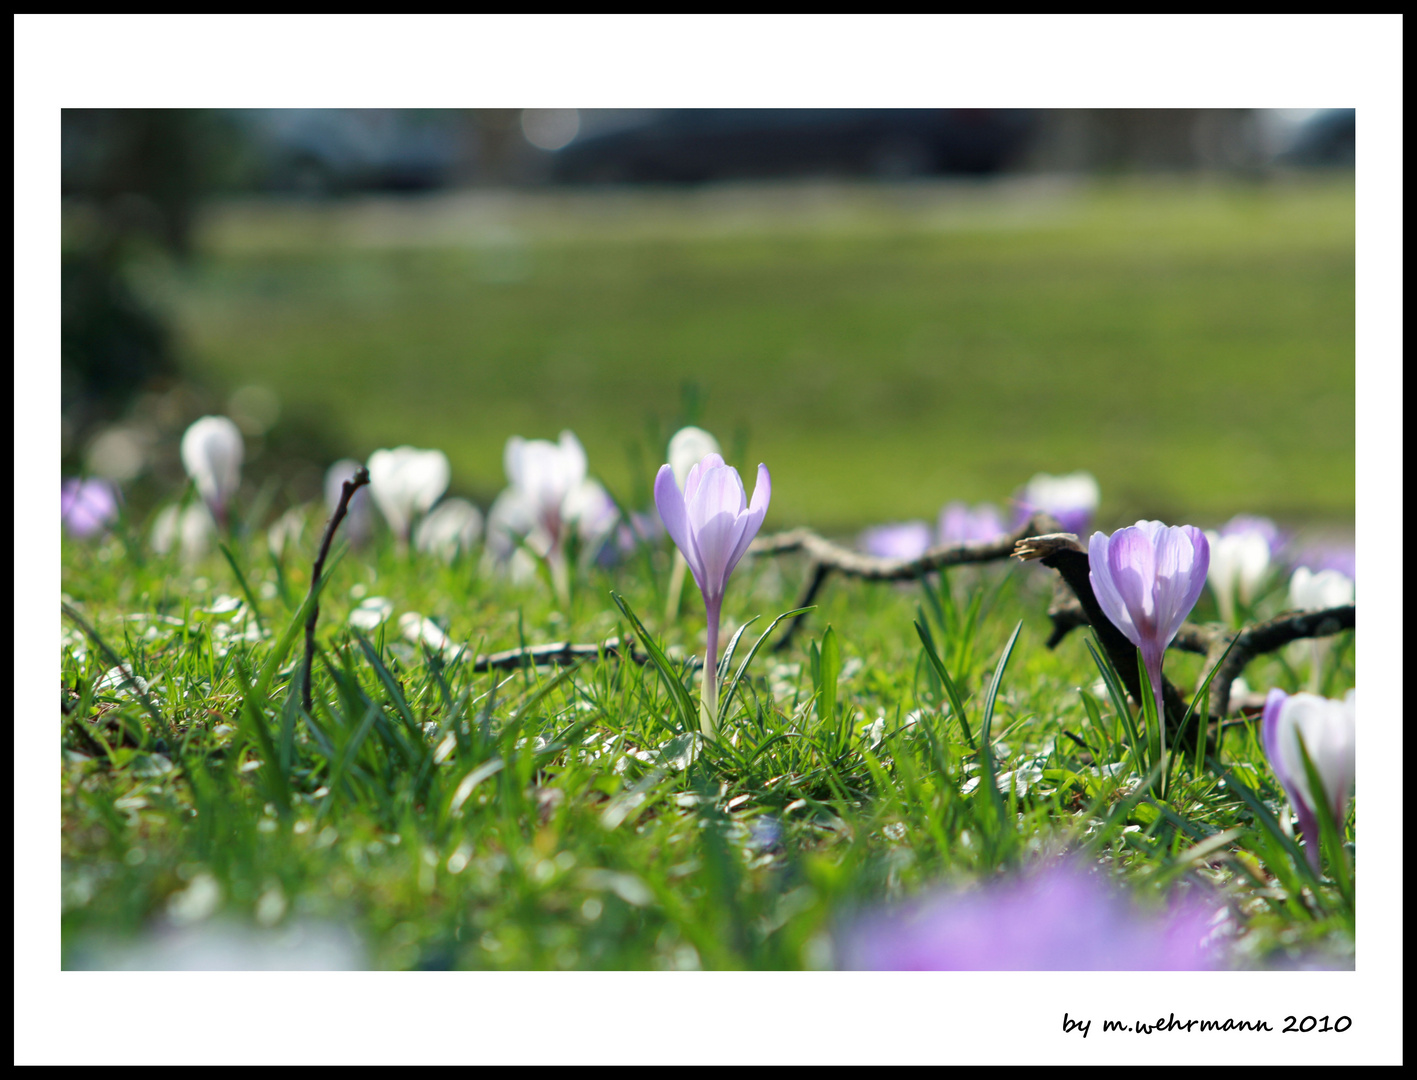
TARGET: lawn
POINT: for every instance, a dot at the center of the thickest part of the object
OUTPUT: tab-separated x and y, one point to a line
884	350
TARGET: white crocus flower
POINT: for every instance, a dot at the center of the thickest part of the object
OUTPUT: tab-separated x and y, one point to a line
451	527
1309	591
212	450
191	530
544	474
687	448
359	517
405	483
1328	730
1238	563
548	497
593	513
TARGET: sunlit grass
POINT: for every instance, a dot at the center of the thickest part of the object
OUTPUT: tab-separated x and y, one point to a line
569	818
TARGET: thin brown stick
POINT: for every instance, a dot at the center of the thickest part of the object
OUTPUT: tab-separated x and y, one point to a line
1069	610
826	558
557	652
360	478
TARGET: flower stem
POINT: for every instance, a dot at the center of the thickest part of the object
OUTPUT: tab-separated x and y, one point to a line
708	703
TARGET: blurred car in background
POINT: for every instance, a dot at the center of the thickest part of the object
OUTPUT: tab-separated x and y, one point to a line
337	151
696	145
1328	137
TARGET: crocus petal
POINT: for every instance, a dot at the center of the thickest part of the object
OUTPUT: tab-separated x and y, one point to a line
715	540
1131	561
1327	728
719	491
1105	589
698	472
669	500
1269	726
753	520
573	459
405	482
212	451
1182	560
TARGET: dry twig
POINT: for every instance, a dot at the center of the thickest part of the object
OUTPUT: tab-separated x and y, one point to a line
360	478
826	558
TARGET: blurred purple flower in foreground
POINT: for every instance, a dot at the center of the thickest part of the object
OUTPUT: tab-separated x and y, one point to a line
1057	918
1072	499
87	506
907	540
1147	578
961	525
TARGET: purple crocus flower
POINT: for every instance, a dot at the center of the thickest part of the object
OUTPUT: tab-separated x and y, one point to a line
961	525
1058	918
712	523
1072	499
87	507
1321	557
907	540
1327	728
1146	578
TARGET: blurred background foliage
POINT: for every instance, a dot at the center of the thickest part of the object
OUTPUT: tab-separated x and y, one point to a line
893	308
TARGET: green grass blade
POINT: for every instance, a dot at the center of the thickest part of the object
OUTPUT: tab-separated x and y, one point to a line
951	690
727	696
678	693
245	588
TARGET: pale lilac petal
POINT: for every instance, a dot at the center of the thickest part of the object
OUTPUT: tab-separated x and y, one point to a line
670	503
715	540
762	490
1132	562
573	459
720	491
1182	559
1269	729
753	520
1105	589
696	474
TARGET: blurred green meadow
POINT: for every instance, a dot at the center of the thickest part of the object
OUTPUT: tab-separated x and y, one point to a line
883	348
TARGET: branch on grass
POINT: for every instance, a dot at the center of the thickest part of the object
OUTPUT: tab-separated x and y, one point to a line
1074	605
826	558
558	653
360	478
1252	641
